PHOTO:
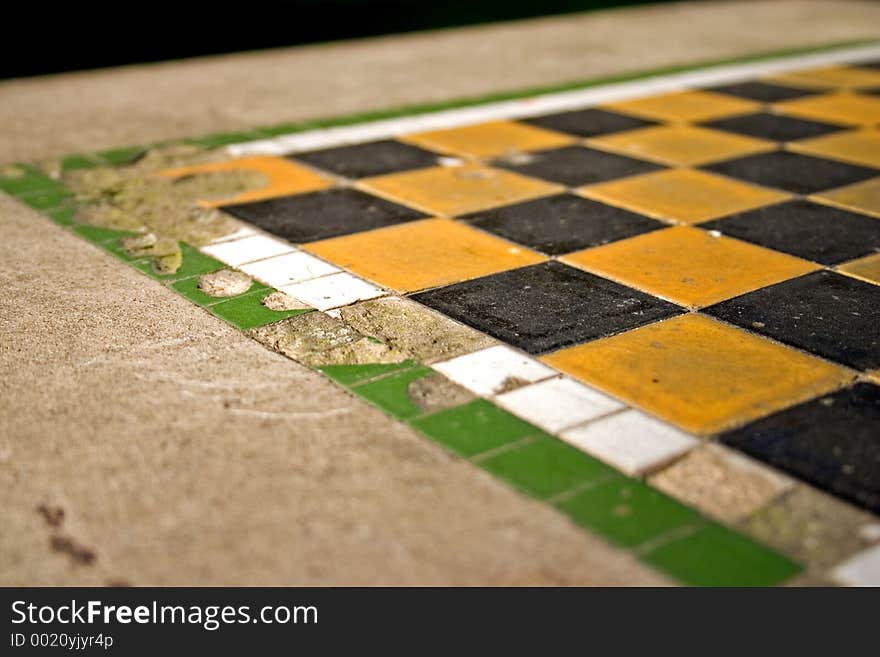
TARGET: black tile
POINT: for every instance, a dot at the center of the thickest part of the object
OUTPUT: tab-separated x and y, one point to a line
792	172
832	442
761	91
774	127
808	230
547	306
874	91
588	122
825	313
873	64
318	215
575	165
372	159
563	223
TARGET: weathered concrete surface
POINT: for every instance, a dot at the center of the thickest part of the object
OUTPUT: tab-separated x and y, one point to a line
44	117
167	448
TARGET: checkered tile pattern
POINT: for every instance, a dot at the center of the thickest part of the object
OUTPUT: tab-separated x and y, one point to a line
709	257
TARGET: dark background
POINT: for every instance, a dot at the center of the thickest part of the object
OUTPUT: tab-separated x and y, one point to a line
68	35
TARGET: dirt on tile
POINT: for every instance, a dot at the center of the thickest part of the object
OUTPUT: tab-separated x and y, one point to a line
810	526
720	483
435	393
282	301
225	283
413	329
163	212
317	339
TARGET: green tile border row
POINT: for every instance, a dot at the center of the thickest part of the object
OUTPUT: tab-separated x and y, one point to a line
53	199
660	531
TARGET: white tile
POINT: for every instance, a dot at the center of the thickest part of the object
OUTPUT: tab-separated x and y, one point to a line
333	291
488	371
248	249
557	403
861	570
631	441
244	231
288	269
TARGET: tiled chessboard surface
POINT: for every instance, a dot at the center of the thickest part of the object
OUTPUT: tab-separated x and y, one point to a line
661	315
710	256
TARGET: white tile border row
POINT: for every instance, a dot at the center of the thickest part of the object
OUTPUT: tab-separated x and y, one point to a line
629	440
547	103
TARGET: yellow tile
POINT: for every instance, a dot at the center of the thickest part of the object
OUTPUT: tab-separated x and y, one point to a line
843	108
685	106
688	266
283	178
855	146
867	268
698	373
458	190
862	197
490	139
422	254
682	195
829	77
681	144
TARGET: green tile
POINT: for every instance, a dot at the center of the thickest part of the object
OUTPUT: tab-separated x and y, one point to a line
474	428
283	129
47	197
118	156
63	216
78	162
98	234
189	288
390	392
547	467
716	556
247	311
350	374
627	512
31	180
194	262
226	138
